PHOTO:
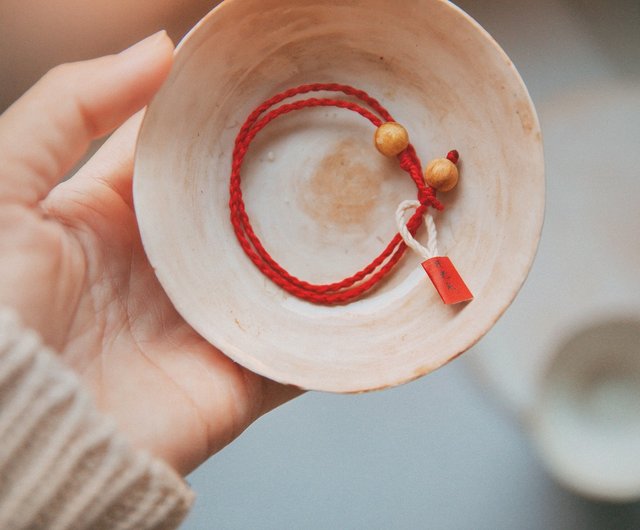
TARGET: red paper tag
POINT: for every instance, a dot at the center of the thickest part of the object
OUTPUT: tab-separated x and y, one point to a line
446	280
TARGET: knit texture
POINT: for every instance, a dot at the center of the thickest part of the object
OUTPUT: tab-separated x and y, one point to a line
62	464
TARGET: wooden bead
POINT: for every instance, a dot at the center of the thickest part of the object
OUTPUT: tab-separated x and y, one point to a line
441	174
391	138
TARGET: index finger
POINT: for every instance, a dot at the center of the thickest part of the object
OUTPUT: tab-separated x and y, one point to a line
49	128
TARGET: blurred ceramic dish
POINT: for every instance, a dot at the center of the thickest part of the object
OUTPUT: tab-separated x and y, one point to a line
322	199
565	360
586	421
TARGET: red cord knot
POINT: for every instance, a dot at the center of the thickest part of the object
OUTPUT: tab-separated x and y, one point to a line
453	155
427	197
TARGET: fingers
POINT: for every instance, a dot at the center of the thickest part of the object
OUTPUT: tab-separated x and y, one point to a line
112	165
276	394
47	130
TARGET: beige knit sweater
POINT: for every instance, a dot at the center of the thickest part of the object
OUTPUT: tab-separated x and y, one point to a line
62	464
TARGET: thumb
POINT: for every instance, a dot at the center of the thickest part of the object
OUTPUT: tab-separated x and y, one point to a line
45	132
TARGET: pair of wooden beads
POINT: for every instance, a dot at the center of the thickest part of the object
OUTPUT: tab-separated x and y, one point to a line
391	139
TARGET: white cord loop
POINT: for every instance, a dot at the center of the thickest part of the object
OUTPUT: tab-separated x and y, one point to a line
431	250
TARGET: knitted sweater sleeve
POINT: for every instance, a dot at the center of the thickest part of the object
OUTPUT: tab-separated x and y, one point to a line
62	464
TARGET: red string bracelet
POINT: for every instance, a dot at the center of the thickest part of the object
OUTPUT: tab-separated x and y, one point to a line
346	290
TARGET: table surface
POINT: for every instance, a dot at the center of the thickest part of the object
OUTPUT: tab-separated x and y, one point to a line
442	452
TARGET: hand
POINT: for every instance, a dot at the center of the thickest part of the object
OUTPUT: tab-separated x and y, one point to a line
73	266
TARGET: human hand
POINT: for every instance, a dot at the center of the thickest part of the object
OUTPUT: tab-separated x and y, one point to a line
73	266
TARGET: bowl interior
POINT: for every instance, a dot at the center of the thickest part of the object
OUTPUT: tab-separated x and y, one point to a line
322	199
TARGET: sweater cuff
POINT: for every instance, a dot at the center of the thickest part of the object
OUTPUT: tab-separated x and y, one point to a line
64	465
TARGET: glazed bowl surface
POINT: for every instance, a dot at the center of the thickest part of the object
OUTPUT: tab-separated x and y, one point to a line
321	198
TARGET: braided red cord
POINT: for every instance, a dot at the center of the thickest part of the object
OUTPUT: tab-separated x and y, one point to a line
354	286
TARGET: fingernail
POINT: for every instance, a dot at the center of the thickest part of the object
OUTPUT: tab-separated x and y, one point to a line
150	42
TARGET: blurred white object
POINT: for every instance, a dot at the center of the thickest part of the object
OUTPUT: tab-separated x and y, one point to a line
586	421
585	275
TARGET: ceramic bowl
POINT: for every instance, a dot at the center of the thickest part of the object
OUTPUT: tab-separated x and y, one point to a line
322	199
564	360
585	421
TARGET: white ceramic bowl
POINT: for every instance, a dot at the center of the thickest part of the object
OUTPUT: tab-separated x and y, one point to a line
586	421
565	358
322	199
